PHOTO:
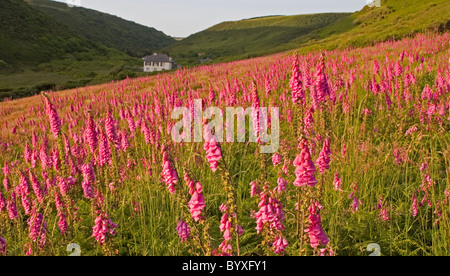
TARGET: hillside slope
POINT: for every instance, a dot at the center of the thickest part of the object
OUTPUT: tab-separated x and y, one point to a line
46	45
29	37
393	20
250	37
260	36
109	30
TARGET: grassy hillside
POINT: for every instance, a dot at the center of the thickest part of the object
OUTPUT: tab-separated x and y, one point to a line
111	31
394	19
250	37
40	51
259	36
29	37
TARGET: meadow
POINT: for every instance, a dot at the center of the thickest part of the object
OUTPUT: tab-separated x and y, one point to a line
364	158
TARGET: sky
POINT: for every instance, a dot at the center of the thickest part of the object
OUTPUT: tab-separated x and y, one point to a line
181	18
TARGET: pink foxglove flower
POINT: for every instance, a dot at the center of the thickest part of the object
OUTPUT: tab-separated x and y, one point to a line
355	204
376	67
270	214
124	143
45	159
103	228
6	169
304	167
295	82
255	112
276	159
58	203
52	115
63	185
104	156
411	130
24	184
2	202
168	173
224	223
315	231
398	70
309	120
282	185
197	203
285	168
183	231
55	159
6	183
88	180
323	162
280	244
90	134
23	191
62	223
254	189
337	183
36	187
189	183
424	166
3	245
12	207
225	226
323	252
37	228
130	121
213	151
384	214
223	207
344	150
321	83
415	208
225	248
146	131
110	128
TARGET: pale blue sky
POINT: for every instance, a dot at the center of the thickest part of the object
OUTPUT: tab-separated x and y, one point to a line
181	18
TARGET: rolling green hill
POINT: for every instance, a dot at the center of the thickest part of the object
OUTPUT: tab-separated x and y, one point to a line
29	37
393	20
259	36
250	37
46	45
111	31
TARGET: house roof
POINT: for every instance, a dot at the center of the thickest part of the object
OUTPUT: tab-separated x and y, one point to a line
157	58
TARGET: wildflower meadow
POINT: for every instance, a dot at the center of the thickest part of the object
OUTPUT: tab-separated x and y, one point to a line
360	156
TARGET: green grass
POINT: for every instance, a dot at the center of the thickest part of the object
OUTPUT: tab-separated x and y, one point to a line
250	37
28	37
111	31
393	20
84	69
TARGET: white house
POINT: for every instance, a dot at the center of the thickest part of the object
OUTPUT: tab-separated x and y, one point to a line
158	62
